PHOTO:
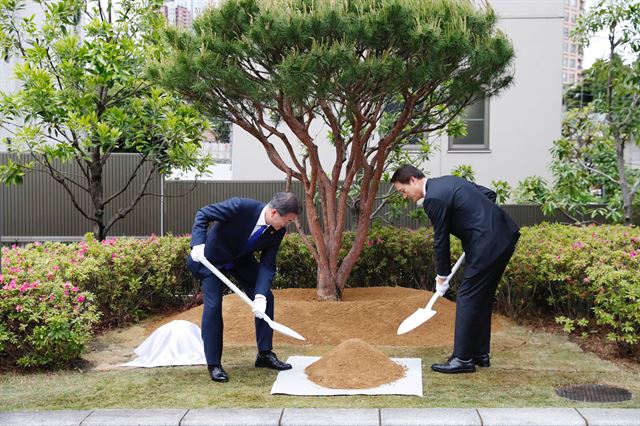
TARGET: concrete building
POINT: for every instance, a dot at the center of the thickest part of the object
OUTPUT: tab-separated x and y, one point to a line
177	14
183	17
572	54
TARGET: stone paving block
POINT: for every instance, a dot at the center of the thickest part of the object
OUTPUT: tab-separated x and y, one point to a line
147	417
42	418
611	416
231	417
530	416
429	417
330	417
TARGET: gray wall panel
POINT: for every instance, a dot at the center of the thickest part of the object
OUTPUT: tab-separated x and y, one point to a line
41	209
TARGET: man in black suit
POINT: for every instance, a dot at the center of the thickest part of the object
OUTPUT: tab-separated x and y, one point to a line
488	235
240	227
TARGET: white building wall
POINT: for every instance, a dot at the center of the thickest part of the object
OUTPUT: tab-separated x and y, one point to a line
526	118
249	160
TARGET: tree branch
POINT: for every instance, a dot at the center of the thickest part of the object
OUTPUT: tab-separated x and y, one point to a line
122	213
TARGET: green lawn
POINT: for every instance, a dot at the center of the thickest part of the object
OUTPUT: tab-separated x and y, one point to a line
527	367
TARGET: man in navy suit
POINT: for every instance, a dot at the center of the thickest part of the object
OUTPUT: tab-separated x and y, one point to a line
488	235
240	227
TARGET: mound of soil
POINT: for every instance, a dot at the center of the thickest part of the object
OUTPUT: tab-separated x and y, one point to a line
354	364
372	314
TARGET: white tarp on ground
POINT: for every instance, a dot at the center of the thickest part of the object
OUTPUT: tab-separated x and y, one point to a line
296	382
176	343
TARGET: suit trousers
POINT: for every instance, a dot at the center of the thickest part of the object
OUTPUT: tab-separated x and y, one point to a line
212	323
474	305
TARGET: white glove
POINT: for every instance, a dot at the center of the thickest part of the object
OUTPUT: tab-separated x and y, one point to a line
197	252
259	306
441	289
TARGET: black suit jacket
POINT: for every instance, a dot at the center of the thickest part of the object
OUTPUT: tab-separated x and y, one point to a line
233	221
468	211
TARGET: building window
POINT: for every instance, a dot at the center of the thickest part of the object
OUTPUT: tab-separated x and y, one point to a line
574	49
476	117
566	46
572	63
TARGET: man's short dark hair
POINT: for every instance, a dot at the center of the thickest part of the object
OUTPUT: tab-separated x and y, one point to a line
285	203
405	173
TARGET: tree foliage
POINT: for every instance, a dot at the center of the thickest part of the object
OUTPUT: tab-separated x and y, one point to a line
614	85
83	95
375	73
584	169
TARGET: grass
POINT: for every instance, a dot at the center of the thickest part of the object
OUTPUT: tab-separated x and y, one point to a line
527	368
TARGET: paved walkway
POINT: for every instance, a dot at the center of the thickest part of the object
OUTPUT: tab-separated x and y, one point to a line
330	417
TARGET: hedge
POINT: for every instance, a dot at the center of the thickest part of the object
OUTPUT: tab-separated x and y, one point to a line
53	295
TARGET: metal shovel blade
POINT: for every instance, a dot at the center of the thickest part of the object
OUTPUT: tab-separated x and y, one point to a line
282	328
414	320
423	314
274	325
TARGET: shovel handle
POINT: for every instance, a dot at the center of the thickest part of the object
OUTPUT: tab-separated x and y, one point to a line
229	284
455	268
453	271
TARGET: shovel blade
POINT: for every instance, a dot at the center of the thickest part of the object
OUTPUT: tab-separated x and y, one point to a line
281	328
416	319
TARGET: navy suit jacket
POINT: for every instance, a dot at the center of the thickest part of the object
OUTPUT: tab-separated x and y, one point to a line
468	211
233	221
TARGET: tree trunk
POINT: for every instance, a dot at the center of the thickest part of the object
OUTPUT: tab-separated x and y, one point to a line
627	199
96	192
327	290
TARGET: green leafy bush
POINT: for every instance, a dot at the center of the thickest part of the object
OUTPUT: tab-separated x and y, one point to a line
391	257
132	278
46	321
586	276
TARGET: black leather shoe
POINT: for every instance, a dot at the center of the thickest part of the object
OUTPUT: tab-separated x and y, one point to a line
271	361
217	373
482	360
455	365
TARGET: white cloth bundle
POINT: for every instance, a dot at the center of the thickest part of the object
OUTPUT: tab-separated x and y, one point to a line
176	343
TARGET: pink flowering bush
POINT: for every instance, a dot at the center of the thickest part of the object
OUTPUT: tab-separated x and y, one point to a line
132	278
588	277
46	321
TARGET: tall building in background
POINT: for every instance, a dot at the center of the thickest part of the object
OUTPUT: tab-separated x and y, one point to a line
181	13
178	13
183	17
572	52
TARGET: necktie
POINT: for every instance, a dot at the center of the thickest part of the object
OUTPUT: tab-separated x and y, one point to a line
254	237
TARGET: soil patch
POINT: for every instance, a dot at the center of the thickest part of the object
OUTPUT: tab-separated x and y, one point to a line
354	364
372	314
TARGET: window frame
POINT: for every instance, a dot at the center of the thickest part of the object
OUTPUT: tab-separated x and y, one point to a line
484	147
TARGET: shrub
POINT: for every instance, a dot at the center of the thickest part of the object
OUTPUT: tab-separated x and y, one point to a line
391	257
586	276
132	278
45	322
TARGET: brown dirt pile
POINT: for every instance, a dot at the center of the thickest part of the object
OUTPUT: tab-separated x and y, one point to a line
372	314
354	364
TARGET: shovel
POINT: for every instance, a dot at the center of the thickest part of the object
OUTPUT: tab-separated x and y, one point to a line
422	315
274	325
